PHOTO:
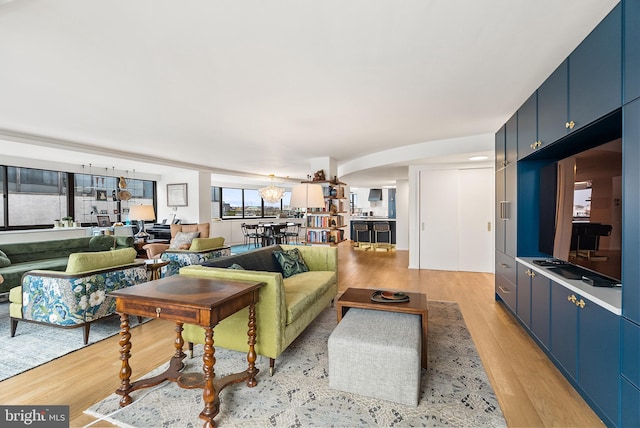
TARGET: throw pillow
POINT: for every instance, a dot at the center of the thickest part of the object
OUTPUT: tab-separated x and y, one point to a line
236	266
102	242
4	260
291	262
182	240
201	244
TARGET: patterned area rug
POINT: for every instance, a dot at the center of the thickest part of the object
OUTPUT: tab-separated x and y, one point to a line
44	343
455	390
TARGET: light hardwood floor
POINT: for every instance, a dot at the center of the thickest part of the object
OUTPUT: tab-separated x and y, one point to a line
530	390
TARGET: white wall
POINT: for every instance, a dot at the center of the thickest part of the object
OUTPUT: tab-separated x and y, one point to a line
402	214
198	209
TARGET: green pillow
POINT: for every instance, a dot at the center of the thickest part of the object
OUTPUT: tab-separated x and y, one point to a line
85	262
291	262
4	260
201	244
102	242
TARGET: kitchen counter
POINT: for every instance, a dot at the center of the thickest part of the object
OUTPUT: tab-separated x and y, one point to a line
372	218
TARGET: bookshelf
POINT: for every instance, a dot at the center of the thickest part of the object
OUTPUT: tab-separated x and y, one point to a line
327	225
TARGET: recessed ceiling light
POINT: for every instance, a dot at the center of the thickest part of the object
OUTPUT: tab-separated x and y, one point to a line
478	158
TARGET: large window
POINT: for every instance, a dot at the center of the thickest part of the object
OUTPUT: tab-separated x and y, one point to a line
247	203
104	195
35	196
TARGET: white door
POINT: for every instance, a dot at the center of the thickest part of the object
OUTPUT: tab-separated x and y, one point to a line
439	220
456	227
476	241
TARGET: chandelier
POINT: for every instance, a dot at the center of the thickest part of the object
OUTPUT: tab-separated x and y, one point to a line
271	193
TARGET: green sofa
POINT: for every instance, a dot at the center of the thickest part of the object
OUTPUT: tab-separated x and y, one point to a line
78	296
18	258
287	305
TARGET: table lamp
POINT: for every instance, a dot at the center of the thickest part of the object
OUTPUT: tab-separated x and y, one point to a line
141	213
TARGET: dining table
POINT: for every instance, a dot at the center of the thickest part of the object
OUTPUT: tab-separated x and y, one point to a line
273	233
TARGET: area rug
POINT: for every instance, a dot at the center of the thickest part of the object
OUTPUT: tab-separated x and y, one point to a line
455	391
43	343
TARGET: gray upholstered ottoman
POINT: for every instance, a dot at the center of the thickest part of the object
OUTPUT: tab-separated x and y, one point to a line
377	354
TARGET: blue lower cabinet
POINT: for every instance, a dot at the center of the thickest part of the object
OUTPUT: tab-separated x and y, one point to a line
631	352
599	358
541	309
523	308
506	280
564	329
630	407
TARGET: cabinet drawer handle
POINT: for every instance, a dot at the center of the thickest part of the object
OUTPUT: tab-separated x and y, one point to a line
570	125
581	303
504	210
504	265
504	290
572	298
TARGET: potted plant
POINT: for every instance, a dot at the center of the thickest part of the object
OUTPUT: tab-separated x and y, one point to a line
57	223
68	221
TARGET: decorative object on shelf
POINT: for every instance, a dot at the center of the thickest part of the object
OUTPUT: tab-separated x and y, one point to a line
142	213
103	221
271	193
101	195
176	195
57	223
124	195
319	175
122	183
67	221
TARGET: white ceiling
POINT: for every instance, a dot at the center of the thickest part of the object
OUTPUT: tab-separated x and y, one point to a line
261	87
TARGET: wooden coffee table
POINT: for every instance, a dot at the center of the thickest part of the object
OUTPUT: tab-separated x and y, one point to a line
183	299
361	298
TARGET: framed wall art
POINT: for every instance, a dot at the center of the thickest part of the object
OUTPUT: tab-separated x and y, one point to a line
177	195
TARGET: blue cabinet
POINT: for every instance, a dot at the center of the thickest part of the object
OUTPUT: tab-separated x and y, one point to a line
506	188
528	127
500	151
630	405
523	308
630	352
631	71
553	105
564	329
541	309
599	357
595	72
505	277
585	341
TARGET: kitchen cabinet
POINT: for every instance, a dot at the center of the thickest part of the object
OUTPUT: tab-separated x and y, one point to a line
630	404
500	149
527	129
595	72
523	308
505	278
541	309
553	105
631	71
585	340
631	352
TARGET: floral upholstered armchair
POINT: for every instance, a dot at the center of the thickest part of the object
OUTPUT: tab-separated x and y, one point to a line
184	233
200	250
78	296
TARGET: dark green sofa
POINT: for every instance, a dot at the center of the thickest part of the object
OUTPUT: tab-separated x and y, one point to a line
18	258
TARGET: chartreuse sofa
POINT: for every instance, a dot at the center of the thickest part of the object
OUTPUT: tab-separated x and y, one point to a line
78	296
286	306
21	257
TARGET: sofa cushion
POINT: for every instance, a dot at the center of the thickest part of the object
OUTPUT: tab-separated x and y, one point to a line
13	274
182	240
84	262
201	244
260	259
302	290
202	228
102	242
291	262
29	251
4	260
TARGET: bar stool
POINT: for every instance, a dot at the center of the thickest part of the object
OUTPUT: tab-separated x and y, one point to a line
381	227
358	228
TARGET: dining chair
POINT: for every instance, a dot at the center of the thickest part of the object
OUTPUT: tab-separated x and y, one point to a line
253	234
292	233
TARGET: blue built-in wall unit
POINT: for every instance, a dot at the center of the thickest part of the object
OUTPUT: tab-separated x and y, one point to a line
568	216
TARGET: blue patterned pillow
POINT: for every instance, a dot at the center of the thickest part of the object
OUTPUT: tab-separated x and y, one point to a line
291	262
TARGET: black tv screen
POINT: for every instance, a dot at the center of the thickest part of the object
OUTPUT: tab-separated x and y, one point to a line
581	209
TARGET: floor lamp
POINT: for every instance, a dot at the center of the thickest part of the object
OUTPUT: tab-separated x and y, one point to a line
307	195
141	213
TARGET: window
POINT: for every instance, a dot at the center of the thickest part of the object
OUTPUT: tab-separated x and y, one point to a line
35	196
232	203
247	203
101	195
2	198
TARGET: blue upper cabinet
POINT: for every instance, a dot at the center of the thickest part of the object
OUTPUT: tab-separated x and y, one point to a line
500	149
553	105
631	50
595	73
528	127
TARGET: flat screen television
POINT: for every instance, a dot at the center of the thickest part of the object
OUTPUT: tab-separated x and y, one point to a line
581	214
